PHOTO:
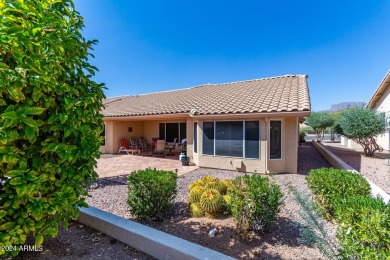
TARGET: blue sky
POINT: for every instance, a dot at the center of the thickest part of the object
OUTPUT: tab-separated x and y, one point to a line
148	46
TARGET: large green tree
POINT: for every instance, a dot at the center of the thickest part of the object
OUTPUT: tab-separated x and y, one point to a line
362	124
319	121
49	118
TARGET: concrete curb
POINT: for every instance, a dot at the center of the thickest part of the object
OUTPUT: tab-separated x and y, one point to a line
153	242
336	162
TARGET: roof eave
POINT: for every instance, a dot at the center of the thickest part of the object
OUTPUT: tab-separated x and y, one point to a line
264	114
379	91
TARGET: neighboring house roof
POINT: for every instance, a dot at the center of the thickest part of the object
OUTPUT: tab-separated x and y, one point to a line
112	99
277	94
385	84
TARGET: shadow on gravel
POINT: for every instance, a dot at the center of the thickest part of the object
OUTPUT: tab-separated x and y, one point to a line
113	181
227	241
81	242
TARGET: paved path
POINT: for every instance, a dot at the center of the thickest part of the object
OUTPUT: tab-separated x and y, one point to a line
116	165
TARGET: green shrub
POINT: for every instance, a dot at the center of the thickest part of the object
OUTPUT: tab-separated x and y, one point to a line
364	228
255	203
49	118
333	186
306	130
151	192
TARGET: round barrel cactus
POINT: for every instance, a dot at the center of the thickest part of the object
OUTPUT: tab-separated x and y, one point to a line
211	201
195	194
196	210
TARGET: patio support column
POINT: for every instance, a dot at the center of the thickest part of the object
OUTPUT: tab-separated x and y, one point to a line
110	137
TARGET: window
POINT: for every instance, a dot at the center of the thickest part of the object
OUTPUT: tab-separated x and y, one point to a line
232	138
275	140
170	131
228	139
183	131
103	134
252	138
208	138
195	137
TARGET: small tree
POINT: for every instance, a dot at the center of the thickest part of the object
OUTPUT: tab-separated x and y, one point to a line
306	130
49	118
319	121
362	125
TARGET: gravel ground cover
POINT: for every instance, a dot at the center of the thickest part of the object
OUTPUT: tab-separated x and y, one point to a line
281	243
82	242
373	168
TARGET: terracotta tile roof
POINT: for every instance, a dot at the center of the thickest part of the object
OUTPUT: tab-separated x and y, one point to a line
277	94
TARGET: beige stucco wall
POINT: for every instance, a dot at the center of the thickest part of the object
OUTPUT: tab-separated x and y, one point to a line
190	141
290	133
109	130
383	105
115	130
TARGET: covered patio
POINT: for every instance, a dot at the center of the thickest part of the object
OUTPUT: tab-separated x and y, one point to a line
116	165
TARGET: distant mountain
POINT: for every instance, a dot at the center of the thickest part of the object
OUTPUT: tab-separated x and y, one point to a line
344	105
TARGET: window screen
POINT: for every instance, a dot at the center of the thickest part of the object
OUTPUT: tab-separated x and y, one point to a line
229	138
252	137
172	132
208	138
195	137
183	132
162	131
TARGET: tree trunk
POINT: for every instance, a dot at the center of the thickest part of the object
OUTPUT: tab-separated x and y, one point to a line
369	146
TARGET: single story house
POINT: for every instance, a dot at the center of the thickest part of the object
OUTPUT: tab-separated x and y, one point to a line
250	126
380	101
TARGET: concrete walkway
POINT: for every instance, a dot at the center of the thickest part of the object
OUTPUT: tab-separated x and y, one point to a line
115	165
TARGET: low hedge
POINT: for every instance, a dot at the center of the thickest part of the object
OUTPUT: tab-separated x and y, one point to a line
151	193
364	231
332	186
363	221
255	203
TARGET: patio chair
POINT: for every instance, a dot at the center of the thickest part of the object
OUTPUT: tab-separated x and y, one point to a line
170	147
160	148
123	146
134	143
145	146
